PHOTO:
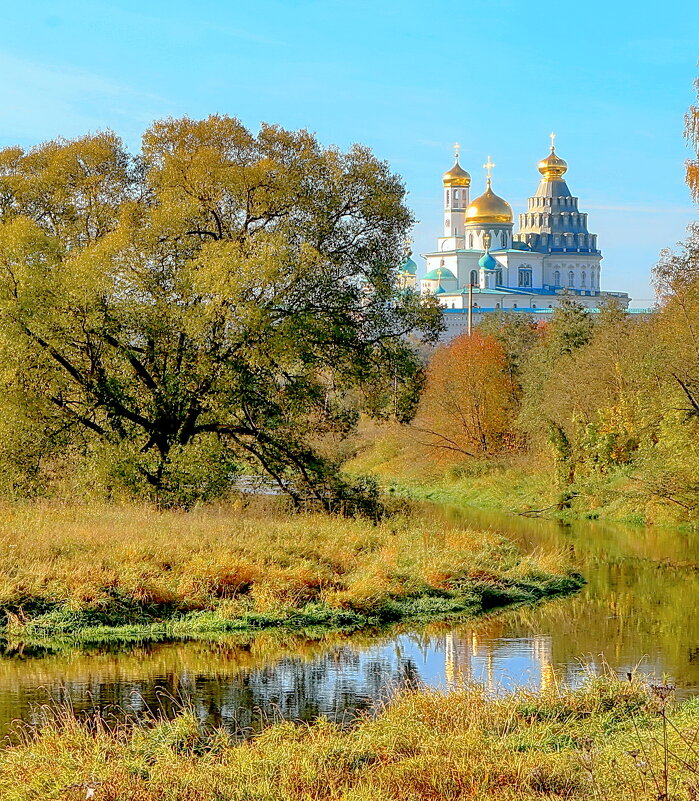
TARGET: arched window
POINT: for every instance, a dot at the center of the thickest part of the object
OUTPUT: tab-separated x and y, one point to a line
474	277
571	278
498	278
497	305
514	305
557	278
583	279
456	198
503	239
533	305
470	240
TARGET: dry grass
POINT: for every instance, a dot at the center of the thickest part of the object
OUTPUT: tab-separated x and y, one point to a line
601	742
75	567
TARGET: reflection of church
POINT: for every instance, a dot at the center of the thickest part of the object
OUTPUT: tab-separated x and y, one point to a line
468	659
551	256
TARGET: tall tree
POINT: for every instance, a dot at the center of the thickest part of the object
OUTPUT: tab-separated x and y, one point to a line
222	297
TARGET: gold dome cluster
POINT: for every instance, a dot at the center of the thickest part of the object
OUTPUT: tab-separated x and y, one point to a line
489	208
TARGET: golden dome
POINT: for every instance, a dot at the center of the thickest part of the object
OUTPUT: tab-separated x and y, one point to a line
456	176
489	208
552	167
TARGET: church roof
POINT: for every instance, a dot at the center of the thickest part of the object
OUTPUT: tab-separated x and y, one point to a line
487	262
489	208
408	266
440	273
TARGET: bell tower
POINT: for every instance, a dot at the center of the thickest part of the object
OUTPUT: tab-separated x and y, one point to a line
456	183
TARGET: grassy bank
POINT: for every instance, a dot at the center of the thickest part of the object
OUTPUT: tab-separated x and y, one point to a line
604	741
85	574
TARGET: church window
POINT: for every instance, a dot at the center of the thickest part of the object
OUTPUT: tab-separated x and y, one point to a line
557	278
441	262
497	305
571	278
525	277
503	238
470	240
533	305
474	277
514	305
557	240
583	279
498	278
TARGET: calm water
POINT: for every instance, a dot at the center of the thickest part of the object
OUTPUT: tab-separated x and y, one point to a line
637	609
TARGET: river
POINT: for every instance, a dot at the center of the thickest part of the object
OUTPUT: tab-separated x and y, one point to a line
636	610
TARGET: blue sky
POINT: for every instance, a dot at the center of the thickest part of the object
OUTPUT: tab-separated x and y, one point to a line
613	79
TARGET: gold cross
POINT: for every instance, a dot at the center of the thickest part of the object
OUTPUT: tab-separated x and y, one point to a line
553	140
457	148
488	166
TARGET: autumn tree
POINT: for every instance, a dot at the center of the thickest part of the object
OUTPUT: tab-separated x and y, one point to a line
517	333
465	410
221	299
692	136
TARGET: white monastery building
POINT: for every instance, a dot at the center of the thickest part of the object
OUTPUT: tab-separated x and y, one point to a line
551	256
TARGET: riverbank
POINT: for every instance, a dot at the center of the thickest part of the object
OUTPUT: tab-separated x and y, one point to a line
81	575
516	484
604	741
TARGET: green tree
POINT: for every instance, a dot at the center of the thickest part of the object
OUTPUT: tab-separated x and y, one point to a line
220	298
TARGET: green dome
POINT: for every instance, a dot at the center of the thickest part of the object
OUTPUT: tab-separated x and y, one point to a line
441	273
487	262
408	267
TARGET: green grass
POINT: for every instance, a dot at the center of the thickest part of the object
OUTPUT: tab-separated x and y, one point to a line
603	741
90	574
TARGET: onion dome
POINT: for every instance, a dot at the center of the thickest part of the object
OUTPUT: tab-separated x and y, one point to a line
489	208
552	167
487	262
408	267
440	274
456	176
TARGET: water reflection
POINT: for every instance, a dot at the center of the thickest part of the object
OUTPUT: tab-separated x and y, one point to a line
637	607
